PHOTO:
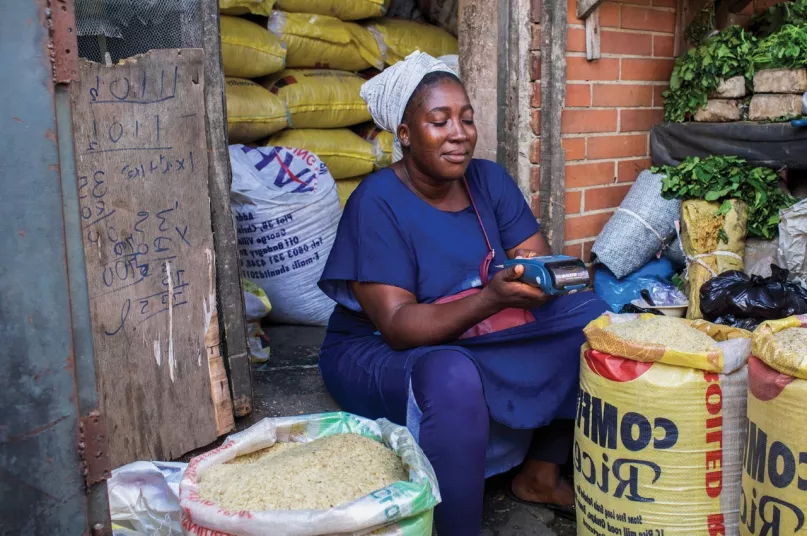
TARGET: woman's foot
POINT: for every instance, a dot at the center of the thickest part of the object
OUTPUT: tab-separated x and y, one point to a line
540	482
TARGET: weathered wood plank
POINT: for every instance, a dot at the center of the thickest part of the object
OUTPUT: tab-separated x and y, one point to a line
593	35
228	283
142	171
586	7
553	93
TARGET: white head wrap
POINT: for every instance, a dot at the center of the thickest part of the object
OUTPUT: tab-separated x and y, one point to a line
388	93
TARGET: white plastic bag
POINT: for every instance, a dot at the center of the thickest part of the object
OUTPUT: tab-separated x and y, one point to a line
287	210
144	498
400	509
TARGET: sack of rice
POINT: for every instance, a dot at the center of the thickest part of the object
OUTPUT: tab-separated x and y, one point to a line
318	41
249	50
345	153
341	9
660	427
286	211
262	8
398	38
320	98
345	187
382	143
774	501
252	112
312	475
713	236
640	228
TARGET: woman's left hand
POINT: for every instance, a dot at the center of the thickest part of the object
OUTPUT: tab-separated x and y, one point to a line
525	254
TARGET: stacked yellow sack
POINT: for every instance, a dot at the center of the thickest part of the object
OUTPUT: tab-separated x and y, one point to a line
660	428
345	153
320	98
244	7
249	50
319	41
252	111
341	9
382	143
774	495
346	187
397	38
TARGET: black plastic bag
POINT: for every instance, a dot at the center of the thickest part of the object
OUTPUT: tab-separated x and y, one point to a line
736	299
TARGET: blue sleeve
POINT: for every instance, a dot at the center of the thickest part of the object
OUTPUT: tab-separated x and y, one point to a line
513	214
369	248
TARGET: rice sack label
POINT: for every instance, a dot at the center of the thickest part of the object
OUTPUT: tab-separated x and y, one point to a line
774	481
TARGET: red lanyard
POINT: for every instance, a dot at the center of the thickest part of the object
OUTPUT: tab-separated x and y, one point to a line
484	268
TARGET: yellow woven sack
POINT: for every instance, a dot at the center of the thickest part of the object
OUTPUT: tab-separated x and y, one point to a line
320	98
605	341
774	489
658	448
397	38
705	231
345	153
341	9
252	112
249	50
345	187
243	7
382	143
780	359
318	41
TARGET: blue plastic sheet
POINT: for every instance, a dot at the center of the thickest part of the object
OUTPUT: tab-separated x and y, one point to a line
619	292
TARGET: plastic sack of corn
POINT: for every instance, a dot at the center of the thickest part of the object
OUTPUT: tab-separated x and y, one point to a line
341	9
243	7
249	50
319	41
401	509
398	38
713	236
346	187
345	154
382	143
775	460
252	111
320	98
658	446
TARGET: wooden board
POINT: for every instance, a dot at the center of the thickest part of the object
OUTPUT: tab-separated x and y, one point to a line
593	35
142	167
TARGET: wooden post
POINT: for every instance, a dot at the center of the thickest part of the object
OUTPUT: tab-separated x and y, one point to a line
593	35
228	283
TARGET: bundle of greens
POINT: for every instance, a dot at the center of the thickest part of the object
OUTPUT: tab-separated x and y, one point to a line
721	178
701	69
785	49
772	19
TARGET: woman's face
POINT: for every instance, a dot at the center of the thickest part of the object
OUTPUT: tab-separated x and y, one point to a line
439	131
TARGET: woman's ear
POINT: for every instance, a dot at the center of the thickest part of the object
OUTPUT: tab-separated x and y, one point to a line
403	135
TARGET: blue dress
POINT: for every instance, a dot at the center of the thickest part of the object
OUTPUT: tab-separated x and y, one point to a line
389	235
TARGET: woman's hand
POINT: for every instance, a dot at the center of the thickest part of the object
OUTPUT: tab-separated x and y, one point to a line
522	253
507	291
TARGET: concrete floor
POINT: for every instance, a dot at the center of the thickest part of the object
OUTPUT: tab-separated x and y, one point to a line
290	384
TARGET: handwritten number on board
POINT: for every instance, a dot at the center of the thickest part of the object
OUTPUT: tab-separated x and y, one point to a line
124	314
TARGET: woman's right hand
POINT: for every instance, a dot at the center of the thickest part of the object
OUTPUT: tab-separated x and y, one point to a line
506	290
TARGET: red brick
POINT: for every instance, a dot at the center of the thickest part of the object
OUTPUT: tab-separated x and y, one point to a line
628	170
535	178
602	147
663	46
642	18
658	99
665	3
535	122
606	197
609	15
535	205
573	250
535	11
587	245
642	69
535	151
636	120
571	8
576	40
636	2
581	121
765	4
535	97
574	148
585	226
623	95
582	69
536	37
593	174
535	66
578	95
573	202
632	44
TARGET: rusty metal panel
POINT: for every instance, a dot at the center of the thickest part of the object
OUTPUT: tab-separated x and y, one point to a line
63	41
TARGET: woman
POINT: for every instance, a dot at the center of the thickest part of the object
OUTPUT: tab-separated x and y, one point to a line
424	335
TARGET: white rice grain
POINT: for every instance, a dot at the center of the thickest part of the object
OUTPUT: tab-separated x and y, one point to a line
667	331
792	340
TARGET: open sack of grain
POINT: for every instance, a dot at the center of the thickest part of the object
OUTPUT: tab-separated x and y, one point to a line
660	426
290	461
774	499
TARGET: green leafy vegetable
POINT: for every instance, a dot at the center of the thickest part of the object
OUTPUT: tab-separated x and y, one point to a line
721	178
772	19
700	71
785	49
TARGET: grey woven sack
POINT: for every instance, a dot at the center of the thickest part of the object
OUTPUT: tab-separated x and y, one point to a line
639	229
